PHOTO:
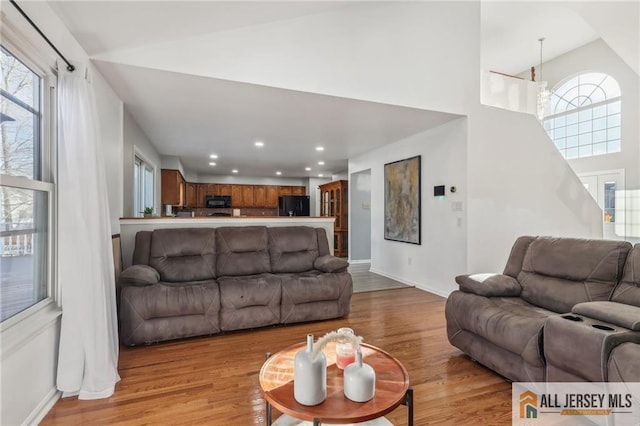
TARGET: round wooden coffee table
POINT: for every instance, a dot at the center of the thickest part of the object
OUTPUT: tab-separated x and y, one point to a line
392	388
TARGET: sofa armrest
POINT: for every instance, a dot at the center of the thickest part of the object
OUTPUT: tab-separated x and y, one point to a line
489	285
139	275
620	314
330	264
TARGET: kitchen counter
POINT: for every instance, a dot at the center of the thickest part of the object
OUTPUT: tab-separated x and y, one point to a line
129	226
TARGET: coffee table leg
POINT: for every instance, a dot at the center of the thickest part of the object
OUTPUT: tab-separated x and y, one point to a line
316	422
408	401
267	356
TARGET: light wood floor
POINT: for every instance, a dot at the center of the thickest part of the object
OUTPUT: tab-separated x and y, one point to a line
214	380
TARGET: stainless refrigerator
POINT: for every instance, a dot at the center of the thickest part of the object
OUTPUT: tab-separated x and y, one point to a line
293	205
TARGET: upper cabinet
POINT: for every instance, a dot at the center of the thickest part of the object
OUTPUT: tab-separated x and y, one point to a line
191	197
173	187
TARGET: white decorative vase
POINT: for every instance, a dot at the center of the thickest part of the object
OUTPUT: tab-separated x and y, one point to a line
309	377
359	380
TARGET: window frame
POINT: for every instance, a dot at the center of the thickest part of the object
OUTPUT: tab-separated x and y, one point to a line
46	310
577	110
139	182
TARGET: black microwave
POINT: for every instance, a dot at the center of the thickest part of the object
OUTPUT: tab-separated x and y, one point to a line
218	201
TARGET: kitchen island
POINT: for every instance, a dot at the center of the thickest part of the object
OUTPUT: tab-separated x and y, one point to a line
129	226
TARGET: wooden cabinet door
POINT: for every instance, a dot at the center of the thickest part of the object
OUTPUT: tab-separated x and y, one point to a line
201	194
223	189
271	196
191	195
298	190
236	196
284	190
247	196
259	195
172	187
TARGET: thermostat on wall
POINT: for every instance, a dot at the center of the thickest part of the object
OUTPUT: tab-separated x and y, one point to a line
438	191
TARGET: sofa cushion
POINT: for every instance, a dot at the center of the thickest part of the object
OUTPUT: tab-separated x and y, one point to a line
558	273
489	285
139	275
628	291
507	322
249	301
623	363
242	250
619	314
312	296
186	254
330	264
292	248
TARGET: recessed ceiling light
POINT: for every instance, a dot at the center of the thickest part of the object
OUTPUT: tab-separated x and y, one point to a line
259	144
234	171
320	175
321	163
278	173
213	156
319	148
307	169
212	164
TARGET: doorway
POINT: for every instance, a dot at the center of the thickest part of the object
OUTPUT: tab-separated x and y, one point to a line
360	216
603	187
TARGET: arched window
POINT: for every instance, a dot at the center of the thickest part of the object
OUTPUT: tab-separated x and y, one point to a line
583	116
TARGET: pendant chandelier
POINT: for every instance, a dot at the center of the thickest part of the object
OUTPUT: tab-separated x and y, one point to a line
543	93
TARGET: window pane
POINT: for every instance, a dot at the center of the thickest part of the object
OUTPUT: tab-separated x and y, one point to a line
572	130
613	146
585	127
548	124
572	118
613	108
585	115
599	148
599	136
148	187
599	124
23	249
600	111
585	151
585	139
613	133
572	141
559	132
572	153
613	120
136	188
561	143
559	121
610	201
20	81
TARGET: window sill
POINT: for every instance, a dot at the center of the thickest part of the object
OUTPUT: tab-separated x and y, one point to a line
17	331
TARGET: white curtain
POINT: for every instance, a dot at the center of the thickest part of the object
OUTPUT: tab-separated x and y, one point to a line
88	353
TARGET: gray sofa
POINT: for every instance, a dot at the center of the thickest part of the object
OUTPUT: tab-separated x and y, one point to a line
563	309
201	281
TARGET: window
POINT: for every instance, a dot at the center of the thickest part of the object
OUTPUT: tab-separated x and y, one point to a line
143	173
26	188
584	116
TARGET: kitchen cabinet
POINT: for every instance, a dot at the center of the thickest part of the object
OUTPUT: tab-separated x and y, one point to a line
260	196
247	196
271	196
298	190
222	189
334	201
201	194
172	187
236	196
191	195
284	190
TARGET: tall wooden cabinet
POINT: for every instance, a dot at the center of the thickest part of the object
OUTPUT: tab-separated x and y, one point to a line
334	201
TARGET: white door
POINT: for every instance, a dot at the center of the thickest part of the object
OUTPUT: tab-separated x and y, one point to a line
603	186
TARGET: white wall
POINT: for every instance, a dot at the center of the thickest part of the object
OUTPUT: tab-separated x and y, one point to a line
598	56
519	184
29	348
174	163
110	111
434	264
416	54
136	142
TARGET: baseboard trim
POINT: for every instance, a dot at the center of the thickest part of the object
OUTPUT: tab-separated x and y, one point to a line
354	262
421	286
43	408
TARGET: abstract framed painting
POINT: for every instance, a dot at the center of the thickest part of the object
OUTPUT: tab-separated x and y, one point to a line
402	209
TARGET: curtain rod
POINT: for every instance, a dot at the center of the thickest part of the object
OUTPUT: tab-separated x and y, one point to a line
70	67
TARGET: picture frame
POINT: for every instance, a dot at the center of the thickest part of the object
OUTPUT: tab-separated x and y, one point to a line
402	201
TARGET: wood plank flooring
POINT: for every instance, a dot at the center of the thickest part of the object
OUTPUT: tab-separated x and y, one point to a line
214	380
365	280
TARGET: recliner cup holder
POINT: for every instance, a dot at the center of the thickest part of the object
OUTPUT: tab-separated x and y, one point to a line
602	327
571	317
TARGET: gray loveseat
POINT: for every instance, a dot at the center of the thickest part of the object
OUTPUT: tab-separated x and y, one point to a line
564	309
201	281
